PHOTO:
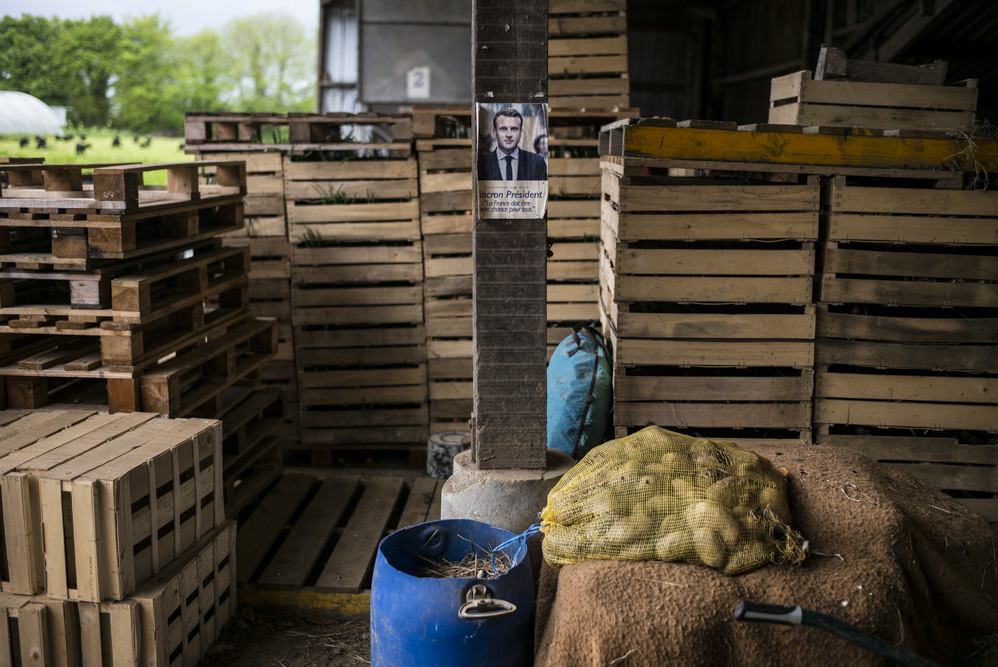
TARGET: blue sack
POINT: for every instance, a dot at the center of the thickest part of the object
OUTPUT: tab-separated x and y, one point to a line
580	392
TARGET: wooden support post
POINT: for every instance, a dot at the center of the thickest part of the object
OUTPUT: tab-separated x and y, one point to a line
509	425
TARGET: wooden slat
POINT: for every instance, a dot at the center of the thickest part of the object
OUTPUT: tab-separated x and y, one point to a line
793	416
917	357
981	390
418	505
261	530
350	561
717	198
906	415
641	352
713	326
301	550
753	389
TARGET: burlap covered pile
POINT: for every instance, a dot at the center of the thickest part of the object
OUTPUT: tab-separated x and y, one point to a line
889	554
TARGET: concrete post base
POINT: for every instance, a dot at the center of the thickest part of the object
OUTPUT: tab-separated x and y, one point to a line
507	499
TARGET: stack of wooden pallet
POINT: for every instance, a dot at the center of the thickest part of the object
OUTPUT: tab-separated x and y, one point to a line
443	147
115	548
261	140
104	288
357	286
587	54
902	327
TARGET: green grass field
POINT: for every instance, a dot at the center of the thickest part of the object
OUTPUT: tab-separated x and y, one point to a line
161	149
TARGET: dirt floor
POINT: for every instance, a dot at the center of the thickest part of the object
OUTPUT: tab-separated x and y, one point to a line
258	640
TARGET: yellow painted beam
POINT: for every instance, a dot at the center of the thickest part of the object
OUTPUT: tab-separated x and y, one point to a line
305	602
807	149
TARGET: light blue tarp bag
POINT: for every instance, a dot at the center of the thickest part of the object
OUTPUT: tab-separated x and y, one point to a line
580	392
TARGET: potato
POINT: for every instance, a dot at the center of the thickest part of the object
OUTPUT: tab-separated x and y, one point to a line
715	517
676	462
640	550
772	498
752	555
661	505
685	491
709	547
724	491
671	524
656	469
630	529
674	546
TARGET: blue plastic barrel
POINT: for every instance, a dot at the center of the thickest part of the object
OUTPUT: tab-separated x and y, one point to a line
428	621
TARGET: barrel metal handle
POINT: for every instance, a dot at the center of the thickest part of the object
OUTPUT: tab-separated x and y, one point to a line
479	603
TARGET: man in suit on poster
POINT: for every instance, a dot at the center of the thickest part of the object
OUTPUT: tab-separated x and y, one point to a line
509	162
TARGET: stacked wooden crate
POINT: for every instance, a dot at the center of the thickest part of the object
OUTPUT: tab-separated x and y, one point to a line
907	348
115	548
574	218
706	285
104	288
262	142
904	344
443	147
357	286
587	54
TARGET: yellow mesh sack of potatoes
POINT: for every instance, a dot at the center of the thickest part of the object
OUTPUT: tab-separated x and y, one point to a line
659	495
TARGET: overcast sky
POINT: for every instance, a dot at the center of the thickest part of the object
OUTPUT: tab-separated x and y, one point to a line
186	16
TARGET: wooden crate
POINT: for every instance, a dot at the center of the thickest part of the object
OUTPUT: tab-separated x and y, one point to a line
97	507
706	288
796	99
174	618
445	199
318	533
21	555
587	54
357	299
38	631
350	201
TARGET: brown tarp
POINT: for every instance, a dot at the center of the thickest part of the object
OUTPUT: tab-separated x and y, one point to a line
889	555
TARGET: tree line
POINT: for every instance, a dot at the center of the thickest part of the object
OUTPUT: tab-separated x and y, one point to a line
138	76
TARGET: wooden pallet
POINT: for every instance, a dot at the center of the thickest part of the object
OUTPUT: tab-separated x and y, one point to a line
132	292
118	189
38	631
195	380
174	618
95	508
265	214
296	133
796	99
318	534
587	54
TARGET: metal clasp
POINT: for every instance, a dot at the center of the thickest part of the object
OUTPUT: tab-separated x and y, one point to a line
479	603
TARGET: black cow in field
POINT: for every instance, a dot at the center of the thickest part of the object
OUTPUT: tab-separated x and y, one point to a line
25	141
117	141
40	141
81	147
